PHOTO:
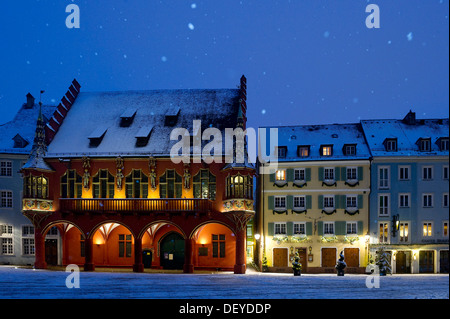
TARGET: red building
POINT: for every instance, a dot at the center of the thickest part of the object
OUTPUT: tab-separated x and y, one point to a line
100	175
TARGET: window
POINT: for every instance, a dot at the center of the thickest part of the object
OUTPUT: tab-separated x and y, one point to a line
445	172
444	144
349	149
404	231
425	144
280	228
404	173
28	240
403	200
136	185
427	200
6	199
383	204
303	151
352	173
204	184
6	232
103	184
280	175
218	242
351	201
329	173
326	150
239	186
328	201
383	231
299	202
5	168
282	151
427	173
383	177
71	184
445	200
445	229
299	174
427	229
35	186
280	202
124	245
328	228
352	228
299	228
391	144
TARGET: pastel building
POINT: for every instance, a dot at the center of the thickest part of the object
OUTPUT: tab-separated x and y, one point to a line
409	199
315	202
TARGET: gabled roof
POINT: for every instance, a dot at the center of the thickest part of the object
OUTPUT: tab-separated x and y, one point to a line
214	107
407	135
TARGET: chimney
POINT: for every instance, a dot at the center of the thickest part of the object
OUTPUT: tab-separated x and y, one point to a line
410	118
30	101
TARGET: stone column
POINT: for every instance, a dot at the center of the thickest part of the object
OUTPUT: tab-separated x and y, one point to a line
188	256
241	264
138	264
39	250
89	255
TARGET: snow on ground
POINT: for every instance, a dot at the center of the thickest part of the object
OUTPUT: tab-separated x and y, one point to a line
45	284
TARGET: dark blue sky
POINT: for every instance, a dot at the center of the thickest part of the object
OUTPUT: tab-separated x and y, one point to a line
306	62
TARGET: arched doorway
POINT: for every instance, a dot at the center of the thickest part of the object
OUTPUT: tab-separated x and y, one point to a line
172	251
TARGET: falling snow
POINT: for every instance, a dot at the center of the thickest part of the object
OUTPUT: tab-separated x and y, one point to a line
409	36
191	26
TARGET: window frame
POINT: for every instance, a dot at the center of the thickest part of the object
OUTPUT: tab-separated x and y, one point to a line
427	170
406	169
6	168
6	199
386	180
388	205
282	229
301	229
400	201
427	229
327	226
429	201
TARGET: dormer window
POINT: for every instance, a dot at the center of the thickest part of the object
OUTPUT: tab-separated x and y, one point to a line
171	117
96	136
303	150
143	135
19	141
281	151
326	150
127	117
390	144
424	144
443	144
349	149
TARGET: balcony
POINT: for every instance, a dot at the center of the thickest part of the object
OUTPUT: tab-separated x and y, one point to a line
164	205
37	204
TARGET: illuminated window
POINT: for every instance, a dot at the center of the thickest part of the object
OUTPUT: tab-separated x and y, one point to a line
404	231
280	175
383	232
427	229
303	151
170	184
204	184
239	186
71	184
103	184
136	184
35	187
445	229
326	150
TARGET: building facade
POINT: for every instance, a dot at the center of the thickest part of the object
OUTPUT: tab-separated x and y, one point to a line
16	140
409	212
104	177
316	201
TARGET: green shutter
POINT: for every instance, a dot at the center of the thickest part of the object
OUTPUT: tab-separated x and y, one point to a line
320	173
337	174
360	173
360	227
308	174
320	228
360	201
337	201
271	202
340	228
290	201
343	201
320	201
344	173
308	228
290	228
308	202
272	177
290	174
270	229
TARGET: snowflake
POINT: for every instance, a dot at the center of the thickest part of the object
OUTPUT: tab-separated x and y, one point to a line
191	26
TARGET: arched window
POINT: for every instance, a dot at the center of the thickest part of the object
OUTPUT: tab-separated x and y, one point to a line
204	184
35	187
239	186
136	184
170	184
71	184
103	184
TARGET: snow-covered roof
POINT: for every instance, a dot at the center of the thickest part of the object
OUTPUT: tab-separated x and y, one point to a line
407	136
314	137
99	116
24	125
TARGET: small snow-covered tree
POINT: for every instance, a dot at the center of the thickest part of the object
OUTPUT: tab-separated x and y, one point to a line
383	261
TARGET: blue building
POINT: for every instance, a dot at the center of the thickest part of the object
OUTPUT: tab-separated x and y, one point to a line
16	141
409	198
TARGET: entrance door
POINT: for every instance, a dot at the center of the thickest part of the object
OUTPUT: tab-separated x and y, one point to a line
351	256
172	251
426	261
403	262
147	258
51	252
329	257
303	260
443	257
280	257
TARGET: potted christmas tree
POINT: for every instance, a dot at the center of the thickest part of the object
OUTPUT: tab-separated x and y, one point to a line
296	265
341	264
265	267
383	262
